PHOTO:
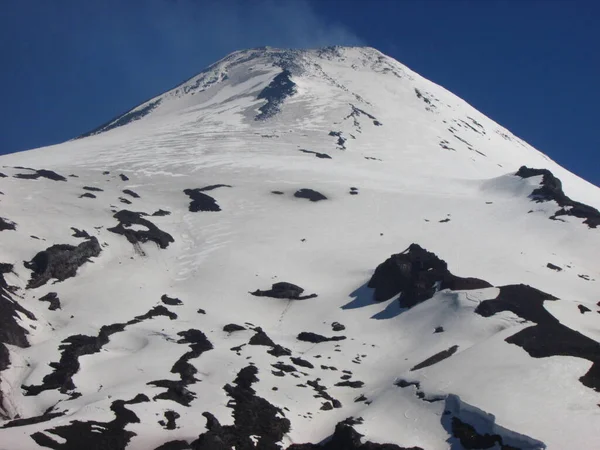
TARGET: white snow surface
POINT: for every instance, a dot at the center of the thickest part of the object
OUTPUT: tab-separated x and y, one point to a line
204	132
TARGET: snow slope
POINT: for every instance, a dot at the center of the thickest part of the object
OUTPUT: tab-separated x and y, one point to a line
400	160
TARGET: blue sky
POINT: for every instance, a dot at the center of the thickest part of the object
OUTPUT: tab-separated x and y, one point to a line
533	66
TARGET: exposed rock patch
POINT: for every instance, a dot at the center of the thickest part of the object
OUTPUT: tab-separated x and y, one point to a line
93	435
317	154
548	337
551	190
177	390
52	298
315	338
201	201
42	173
128	218
161	212
131	193
60	261
310	194
92	188
6	224
255	419
80	233
170	300
275	94
417	275
87	195
283	290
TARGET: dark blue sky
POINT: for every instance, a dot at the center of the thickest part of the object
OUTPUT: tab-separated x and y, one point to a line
533	66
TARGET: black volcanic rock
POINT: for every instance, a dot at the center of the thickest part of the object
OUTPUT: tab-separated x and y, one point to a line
551	190
553	267
6	224
280	88
317	154
283	290
43	173
232	327
161	212
60	261
131	193
128	218
80	233
417	275
93	435
201	201
123	177
52	298
87	195
548	337
345	437
310	194
315	338
92	188
261	338
170	300
254	418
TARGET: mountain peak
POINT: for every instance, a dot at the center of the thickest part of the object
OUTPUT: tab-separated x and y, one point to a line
312	249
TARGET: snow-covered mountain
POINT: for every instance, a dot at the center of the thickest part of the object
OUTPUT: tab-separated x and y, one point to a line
298	249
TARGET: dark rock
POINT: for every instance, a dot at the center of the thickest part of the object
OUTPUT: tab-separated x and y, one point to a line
284	367
254	417
171	417
417	275
75	346
302	363
80	233
317	154
436	358
52	298
176	445
93	435
553	267
87	195
131	193
327	406
341	142
345	437
261	338
438	330
170	300
92	188
277	192
43	173
336	326
124	200
232	327
201	201
548	337
445	220
583	309
153	233
177	390
279	351
551	190
60	261
32	420
283	290
317	338
352	384
161	212
213	186
6	224
310	194
124	177
280	88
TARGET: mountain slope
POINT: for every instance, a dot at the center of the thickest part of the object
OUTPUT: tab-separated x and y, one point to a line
308	167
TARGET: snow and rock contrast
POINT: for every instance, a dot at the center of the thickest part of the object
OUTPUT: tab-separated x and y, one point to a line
200	273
